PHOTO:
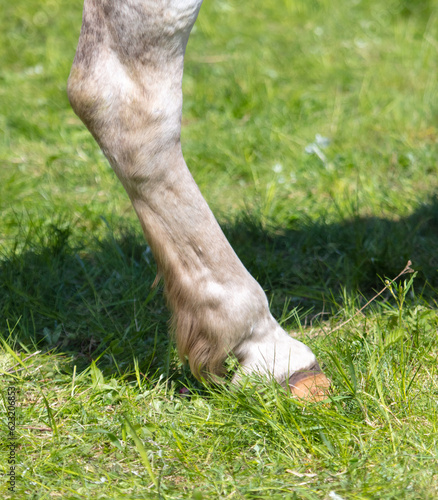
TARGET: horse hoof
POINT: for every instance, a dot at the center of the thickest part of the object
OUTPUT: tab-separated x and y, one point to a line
310	384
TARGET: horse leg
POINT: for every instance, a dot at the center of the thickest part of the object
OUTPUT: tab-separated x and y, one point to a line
125	85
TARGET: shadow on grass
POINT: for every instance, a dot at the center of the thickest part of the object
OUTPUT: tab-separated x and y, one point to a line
98	302
315	263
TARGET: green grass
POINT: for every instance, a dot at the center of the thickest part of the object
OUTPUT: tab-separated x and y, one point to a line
84	339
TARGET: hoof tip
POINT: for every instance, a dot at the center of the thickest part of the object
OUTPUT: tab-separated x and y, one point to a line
310	384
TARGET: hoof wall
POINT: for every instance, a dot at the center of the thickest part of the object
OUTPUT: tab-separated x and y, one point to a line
309	384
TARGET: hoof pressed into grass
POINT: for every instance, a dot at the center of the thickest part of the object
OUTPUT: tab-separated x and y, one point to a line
309	384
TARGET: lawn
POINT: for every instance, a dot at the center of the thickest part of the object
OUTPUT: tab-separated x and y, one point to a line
311	128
